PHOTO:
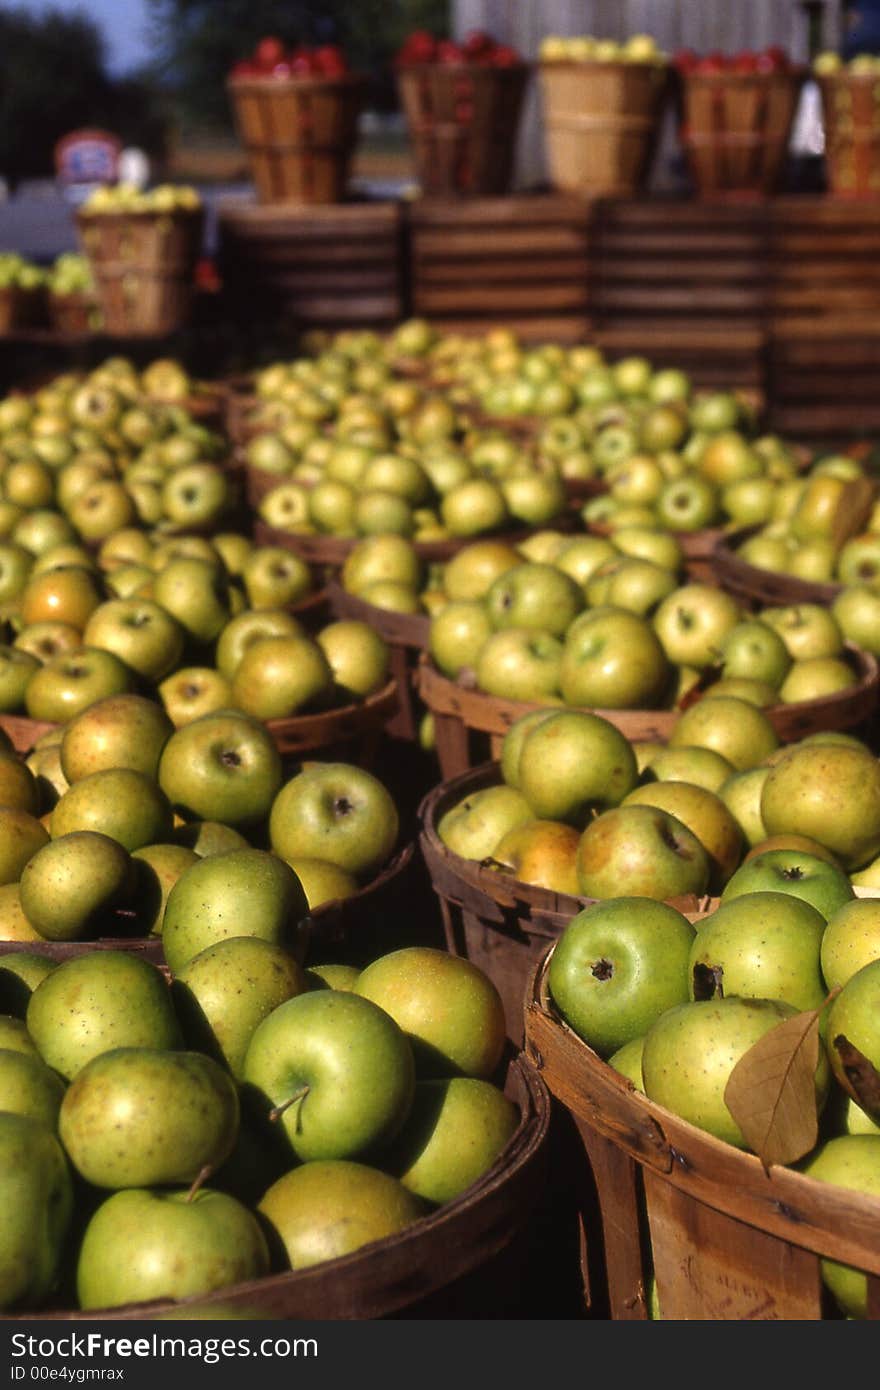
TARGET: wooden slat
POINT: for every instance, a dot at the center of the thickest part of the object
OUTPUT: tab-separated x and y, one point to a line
572	269
502	300
748	269
529	210
366	250
448	245
536	328
702	300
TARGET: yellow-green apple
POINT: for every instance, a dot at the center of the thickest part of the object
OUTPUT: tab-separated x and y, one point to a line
207	837
753	650
469	575
816	677
77	886
242	892
91	1003
225	991
21	835
222	767
574	763
741	794
476	823
38	1208
67	684
144	1117
857	611
738	730
761	945
278	677
539	597
542	853
693	622
457	1128
166	1243
126	730
140	632
196	594
705	814
692	1048
27	1085
14	926
250	626
457	635
18	786
473	506
67	595
274	577
628	1061
617	966
382	558
612	659
801	844
16	669
128	806
157	868
47	639
830	793
191	692
335	811
850	1161
807	629
329	1208
358	656
852	1019
702	766
688	503
851	940
511	745
520	664
334	1071
449	1008
804	875
645	848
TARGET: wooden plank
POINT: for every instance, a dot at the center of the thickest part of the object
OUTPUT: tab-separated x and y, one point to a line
569	268
843	353
531	210
730	341
665	212
334	281
503	300
364	252
536	328
268	219
666	242
702	299
810	244
816	421
503	241
748	269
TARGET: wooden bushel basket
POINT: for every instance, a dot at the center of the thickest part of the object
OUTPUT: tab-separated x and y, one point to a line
735	129
730	1240
502	925
481	1255
755	587
462	120
851	116
74	315
299	134
470	725
143	264
601	122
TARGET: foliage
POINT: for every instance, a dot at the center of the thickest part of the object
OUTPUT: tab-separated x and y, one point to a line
200	40
54	81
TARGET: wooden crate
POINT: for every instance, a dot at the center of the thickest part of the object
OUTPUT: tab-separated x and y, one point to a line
325	266
520	262
682	283
824	317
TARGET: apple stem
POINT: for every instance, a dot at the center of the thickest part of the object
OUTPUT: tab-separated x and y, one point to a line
278	1110
201	1177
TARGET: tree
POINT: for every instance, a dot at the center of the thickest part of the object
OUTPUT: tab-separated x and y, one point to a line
199	40
54	81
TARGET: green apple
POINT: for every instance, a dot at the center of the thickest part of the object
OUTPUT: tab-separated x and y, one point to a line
92	1003
74	886
534	596
701	766
815	678
511	746
693	622
20	973
853	1015
224	992
18	786
851	940
830	793
207	837
738	730
617	966
223	766
157	868
850	1161
457	635
705	814
856	609
322	881
628	1061
142	1245
191	692
16	669
381	558
457	1128
816	881
573	764
274	577
358	657
127	805
140	1116
140	632
37	1210
329	1208
251	626
692	1048
243	892
762	945
469	575
520	664
121	731
541	852
14	1036
645	848
334	1071
196	594
741	794
335	811
68	683
753	650
21	835
613	660
29	1087
476	823
449	1008
279	677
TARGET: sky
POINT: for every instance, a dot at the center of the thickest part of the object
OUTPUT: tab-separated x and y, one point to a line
123	23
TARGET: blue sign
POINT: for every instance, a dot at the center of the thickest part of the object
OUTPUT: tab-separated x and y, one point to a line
87	157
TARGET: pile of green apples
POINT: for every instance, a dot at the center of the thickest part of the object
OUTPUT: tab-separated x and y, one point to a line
195	625
106	812
579	809
170	1135
674	1004
70	273
17	272
88	455
608	623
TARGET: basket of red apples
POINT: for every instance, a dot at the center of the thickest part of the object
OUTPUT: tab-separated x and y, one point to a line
462	103
297	112
735	118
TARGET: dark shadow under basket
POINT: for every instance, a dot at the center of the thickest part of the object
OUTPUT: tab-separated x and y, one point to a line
491	918
478	1256
724	1238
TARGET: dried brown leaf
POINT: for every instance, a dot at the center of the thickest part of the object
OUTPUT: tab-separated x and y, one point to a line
771	1092
863	1078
